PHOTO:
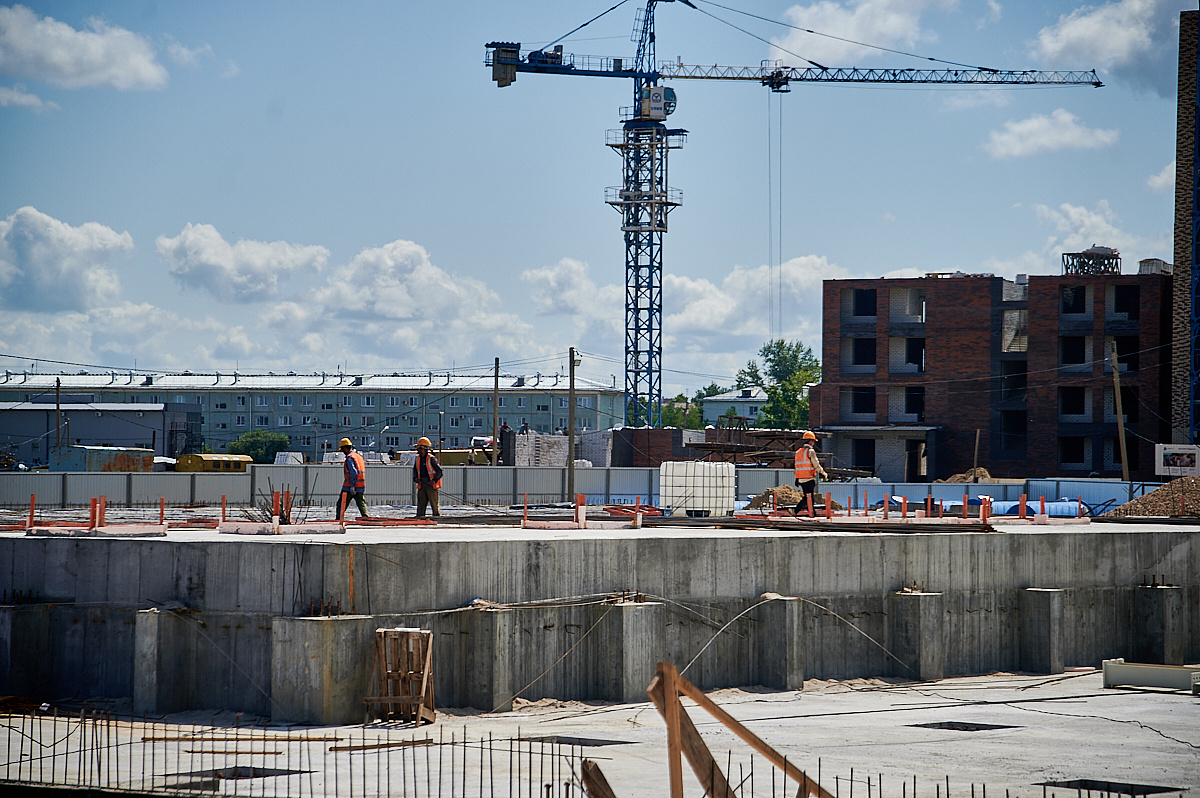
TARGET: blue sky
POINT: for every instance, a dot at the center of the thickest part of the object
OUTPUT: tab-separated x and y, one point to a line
308	186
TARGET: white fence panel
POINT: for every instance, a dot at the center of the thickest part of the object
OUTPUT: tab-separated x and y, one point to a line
83	486
593	483
19	486
175	488
542	484
753	481
488	485
628	484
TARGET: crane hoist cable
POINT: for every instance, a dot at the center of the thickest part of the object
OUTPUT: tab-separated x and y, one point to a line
584	25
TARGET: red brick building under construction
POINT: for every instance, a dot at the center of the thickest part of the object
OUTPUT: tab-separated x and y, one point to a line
922	377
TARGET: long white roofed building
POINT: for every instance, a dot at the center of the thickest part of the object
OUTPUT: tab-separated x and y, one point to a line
317	410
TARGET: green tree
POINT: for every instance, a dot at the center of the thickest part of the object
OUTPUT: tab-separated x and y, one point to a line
789	367
260	445
679	412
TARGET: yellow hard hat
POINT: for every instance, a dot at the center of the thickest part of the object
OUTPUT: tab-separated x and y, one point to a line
345	442
423	441
810	436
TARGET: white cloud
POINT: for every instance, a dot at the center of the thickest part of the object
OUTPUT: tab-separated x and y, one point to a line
994	12
885	23
1164	180
247	271
49	265
567	288
1075	228
1061	130
187	56
232	70
42	48
1134	40
16	96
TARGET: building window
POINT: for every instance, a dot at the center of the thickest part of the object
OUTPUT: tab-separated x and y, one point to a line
864	302
219	405
862	400
453	421
1127	353
368	401
564	401
862	351
307	401
433	408
412	401
1072	350
305	440
1072	401
1014	378
914	402
391	440
241	401
326	426
345	421
588	402
347	401
240	421
179	399
475	422
1126	301
520	401
1072	299
326	405
1014	331
1013	426
262	401
1112	453
454	401
1074	451
543	408
285	401
285	421
393	401
367	421
502	401
454	442
752	410
413	421
262	421
308	420
1129	405
862	456
476	401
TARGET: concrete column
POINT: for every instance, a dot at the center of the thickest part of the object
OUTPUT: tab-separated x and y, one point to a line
321	668
1041	616
916	623
490	661
164	668
636	650
1158	625
781	644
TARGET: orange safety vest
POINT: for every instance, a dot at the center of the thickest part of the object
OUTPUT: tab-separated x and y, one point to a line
806	471
426	472
360	479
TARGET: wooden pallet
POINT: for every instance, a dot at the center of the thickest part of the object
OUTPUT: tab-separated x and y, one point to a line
404	675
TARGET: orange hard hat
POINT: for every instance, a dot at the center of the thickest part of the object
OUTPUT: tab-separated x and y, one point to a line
810	436
423	441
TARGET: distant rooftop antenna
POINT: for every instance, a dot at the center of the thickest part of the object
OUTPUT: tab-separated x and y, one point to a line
1093	260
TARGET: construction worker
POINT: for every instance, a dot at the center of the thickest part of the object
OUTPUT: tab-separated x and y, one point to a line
354	483
807	469
427	473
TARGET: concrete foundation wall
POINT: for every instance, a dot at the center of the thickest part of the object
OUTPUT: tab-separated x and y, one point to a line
222	652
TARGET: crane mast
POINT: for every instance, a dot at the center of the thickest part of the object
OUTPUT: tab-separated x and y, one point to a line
644	198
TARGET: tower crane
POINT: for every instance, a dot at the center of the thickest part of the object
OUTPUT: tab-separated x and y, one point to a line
644	199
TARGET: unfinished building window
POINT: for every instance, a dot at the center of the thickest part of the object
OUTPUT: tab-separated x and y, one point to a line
907	306
1072	299
915	353
862	352
862	400
1015	331
1074	451
1112	453
1129	405
1126	300
862	455
1127	352
1014	379
906	355
864	302
914	402
1073	401
1014	425
1072	350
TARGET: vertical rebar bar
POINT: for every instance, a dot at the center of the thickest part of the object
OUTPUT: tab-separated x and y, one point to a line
428	775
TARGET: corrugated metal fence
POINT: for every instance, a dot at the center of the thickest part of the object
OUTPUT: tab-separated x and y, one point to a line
501	486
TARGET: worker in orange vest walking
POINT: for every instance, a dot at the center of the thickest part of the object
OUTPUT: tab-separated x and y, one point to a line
354	484
427	473
807	469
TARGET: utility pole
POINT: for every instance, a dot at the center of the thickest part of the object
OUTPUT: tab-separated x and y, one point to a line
496	412
1120	415
571	430
57	411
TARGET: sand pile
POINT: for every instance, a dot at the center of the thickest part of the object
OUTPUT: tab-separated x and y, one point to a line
786	496
1177	497
969	476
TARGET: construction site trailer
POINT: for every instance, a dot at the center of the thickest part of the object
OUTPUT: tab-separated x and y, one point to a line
225	463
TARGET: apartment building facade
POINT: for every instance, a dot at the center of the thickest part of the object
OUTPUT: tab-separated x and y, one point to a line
924	377
315	411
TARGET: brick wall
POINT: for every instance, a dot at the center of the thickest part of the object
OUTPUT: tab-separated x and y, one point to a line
1185	146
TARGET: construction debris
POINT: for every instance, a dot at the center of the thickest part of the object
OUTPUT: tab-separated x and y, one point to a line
970	475
785	496
1179	497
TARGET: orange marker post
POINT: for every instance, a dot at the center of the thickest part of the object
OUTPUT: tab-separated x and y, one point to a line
103	510
828	506
1021	513
965	497
985	504
865	505
32	507
342	507
904	507
887	502
287	504
93	504
941	509
1079	508
525	512
222	508
275	504
1042	503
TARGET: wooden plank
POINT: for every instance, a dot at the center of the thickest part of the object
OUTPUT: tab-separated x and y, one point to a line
671	698
749	737
594	782
712	779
